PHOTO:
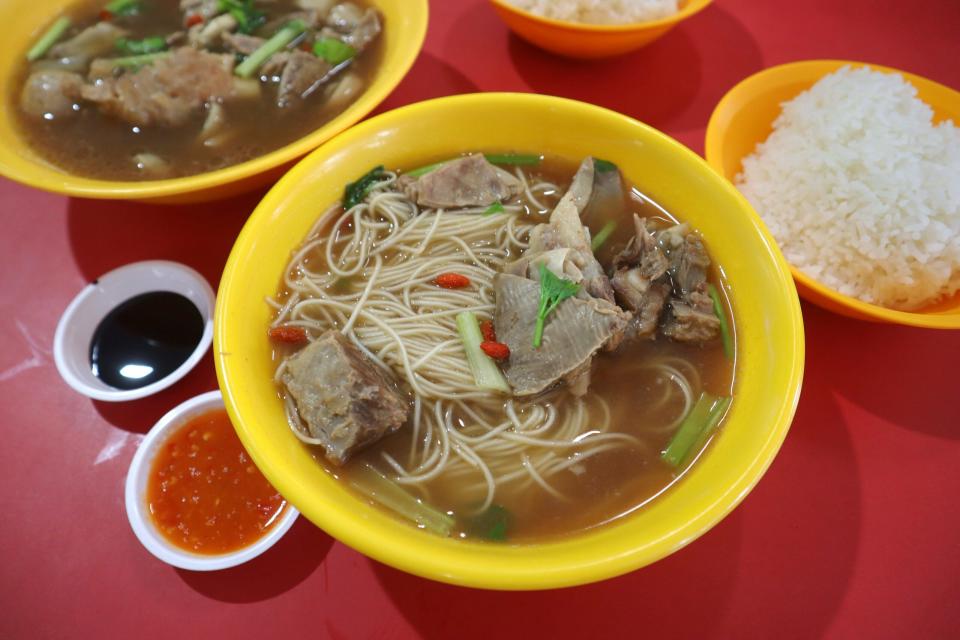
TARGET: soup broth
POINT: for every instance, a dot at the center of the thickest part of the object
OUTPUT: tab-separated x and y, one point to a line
633	391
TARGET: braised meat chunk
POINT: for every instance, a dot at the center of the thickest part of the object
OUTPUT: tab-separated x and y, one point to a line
345	399
168	92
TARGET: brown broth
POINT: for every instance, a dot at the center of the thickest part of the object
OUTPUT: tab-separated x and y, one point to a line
95	145
613	483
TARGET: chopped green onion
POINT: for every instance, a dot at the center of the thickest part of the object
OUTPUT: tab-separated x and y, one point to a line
123	7
387	493
485	371
280	39
49	38
355	192
333	50
512	158
553	291
603	235
153	44
492	524
496	207
604	166
724	325
695	429
135	62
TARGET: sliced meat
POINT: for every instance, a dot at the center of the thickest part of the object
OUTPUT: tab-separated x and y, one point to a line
274	65
638	279
51	94
344	17
241	43
608	197
646	317
365	31
345	400
93	41
692	319
205	35
466	182
574	332
167	92
344	91
565	230
688	259
642	252
301	76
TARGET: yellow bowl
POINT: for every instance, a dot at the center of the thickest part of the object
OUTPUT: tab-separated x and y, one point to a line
744	117
766	309
579	40
405	25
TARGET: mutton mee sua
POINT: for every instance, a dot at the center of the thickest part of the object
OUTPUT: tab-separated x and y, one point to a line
503	347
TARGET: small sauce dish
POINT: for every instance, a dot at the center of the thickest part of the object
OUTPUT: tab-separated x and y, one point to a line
140	511
102	312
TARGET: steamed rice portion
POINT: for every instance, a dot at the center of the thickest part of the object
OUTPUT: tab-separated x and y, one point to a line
600	11
861	190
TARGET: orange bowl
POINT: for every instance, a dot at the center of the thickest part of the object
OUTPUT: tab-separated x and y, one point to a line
405	27
580	40
744	118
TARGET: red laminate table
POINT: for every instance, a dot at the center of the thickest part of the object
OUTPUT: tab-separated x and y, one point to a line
853	533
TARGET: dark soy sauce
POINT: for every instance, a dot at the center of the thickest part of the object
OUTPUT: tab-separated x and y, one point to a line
145	339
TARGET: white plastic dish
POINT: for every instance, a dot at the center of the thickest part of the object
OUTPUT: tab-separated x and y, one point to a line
71	343
138	510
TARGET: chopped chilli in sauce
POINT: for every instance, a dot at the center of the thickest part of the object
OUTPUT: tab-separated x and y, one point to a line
205	494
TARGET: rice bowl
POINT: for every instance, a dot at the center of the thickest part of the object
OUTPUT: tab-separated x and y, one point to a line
861	191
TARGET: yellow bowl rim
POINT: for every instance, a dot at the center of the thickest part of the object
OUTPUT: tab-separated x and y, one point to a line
713	144
692	7
412	559
64	183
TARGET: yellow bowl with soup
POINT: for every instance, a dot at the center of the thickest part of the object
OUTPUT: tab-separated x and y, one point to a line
36	154
766	360
744	118
588	41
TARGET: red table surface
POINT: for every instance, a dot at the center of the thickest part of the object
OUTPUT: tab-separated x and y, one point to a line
852	533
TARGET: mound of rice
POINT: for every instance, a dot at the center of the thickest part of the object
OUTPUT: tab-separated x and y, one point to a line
861	191
600	11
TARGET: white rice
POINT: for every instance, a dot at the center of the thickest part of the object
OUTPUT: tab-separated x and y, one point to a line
861	191
600	11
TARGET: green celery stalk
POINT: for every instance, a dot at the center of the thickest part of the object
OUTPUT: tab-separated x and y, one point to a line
389	494
49	38
602	235
512	158
725	334
485	371
132	62
695	428
280	39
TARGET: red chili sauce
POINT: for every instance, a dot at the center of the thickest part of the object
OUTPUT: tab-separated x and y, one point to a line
204	492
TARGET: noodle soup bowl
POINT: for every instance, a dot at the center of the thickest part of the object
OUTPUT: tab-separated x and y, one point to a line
405	26
769	336
744	118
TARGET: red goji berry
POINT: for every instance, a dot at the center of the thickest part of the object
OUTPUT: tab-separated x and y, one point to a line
290	335
496	350
452	281
489	333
